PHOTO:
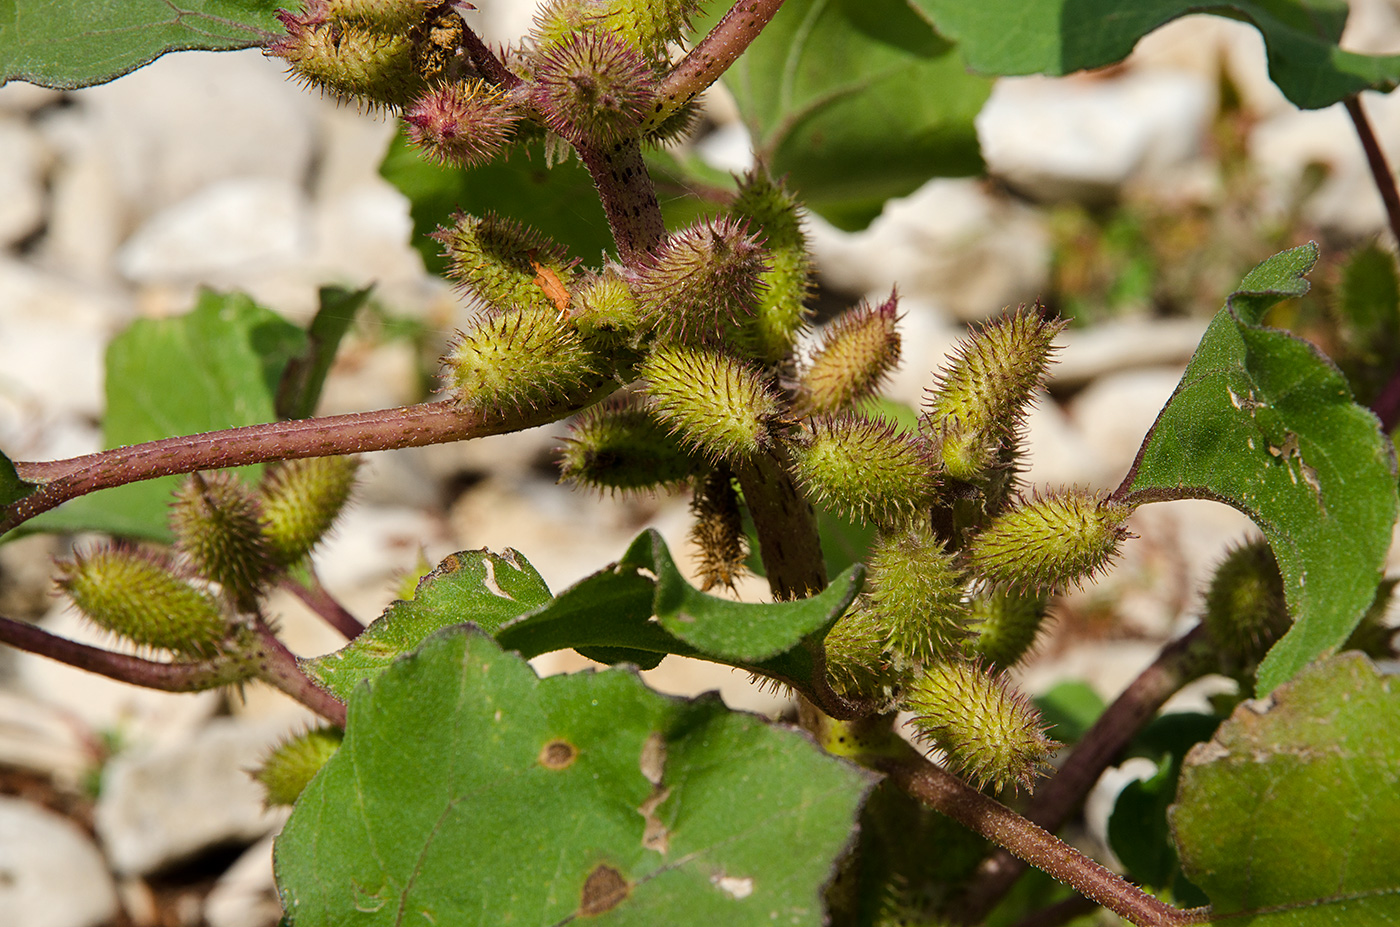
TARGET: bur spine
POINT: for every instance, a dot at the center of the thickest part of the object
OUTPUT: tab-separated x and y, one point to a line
288	770
619	446
700	282
506	265
858	352
300	500
780	313
1049	542
718	530
1003	625
1245	608
864	468
217	523
520	360
714	403
592	87
917	594
465	124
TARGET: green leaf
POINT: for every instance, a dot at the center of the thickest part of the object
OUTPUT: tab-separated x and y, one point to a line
1069	710
12	488
305	374
216	367
1262	421
1060	36
69	43
467	791
857	101
1293	809
473	585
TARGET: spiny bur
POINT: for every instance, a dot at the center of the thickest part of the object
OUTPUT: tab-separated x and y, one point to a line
506	265
982	394
700	282
1003	625
604	308
620	446
592	87
991	734
1049	542
780	312
464	124
863	468
858	351
292	765
1245	608
714	403
718	531
917	594
652	25
857	662
520	360
141	599
300	500
217	522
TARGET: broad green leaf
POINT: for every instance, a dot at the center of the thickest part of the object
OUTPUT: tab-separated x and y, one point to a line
216	367
305	374
468	791
12	488
1262	421
1292	810
1060	36
856	101
1069	710
69	43
473	585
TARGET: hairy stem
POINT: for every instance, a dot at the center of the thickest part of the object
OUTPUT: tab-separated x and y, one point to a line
786	526
628	195
487	64
278	666
384	429
1180	662
315	597
168	677
1375	159
949	795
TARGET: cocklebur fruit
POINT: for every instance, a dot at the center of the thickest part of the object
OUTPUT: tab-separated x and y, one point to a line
1049	542
507	266
141	599
592	87
520	360
1245	608
620	446
713	402
983	391
917	594
291	766
646	25
858	351
387	15
700	282
857	663
300	499
1002	626
718	531
991	734
780	312
217	523
604	308
863	468
462	124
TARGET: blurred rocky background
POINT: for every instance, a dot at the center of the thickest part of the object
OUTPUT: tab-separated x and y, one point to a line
1129	200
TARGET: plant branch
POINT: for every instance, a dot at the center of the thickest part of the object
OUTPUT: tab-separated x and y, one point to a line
487	64
278	666
949	795
168	677
628	195
786	526
714	54
315	597
1375	159
1183	660
384	429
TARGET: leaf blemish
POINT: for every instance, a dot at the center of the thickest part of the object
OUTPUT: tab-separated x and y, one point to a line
604	890
733	886
489	580
558	754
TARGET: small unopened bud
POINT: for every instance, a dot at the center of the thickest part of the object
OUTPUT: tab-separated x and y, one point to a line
218	525
718	532
520	360
991	734
1049	542
1003	624
864	468
620	446
858	351
142	600
701	281
593	87
916	592
712	402
1245	608
781	311
290	768
300	500
462	125
983	392
506	265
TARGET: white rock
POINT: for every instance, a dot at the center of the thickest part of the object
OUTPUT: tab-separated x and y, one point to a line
40	737
250	224
17	96
159	806
190	119
1204	45
246	895
1114	414
1123	344
1083	138
950	244
1056	454
51	875
88	216
22	163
